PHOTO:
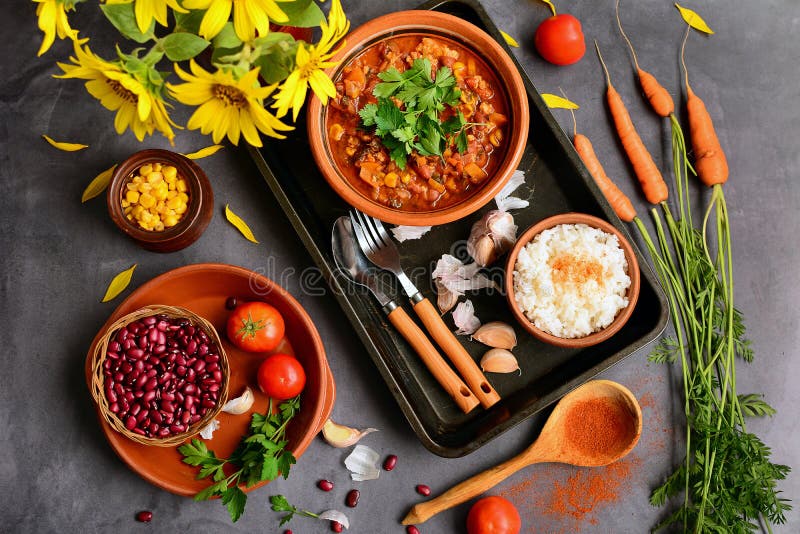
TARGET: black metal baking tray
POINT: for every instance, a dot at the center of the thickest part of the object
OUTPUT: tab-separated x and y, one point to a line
556	182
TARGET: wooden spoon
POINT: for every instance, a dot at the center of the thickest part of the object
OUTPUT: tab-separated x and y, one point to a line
556	443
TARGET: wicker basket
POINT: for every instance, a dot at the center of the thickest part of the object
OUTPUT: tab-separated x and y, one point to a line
98	379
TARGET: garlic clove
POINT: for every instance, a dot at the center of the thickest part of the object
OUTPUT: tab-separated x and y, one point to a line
335	515
496	334
341	436
363	463
209	429
482	249
240	404
445	299
499	361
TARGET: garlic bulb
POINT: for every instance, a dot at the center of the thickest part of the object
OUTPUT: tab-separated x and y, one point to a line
496	334
491	237
499	361
341	436
240	404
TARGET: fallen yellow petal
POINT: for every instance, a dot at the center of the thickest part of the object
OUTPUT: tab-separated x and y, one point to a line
557	102
239	224
119	283
66	147
204	152
98	185
510	40
694	20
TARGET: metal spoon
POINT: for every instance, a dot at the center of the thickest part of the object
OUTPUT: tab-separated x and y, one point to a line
553	445
349	259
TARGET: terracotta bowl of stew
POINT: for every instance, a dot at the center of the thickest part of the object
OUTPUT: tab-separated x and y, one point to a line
574	268
434	188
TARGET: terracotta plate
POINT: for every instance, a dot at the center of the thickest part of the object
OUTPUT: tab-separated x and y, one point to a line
203	289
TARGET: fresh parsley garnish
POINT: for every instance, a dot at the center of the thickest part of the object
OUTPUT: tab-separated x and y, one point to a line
261	455
416	126
280	504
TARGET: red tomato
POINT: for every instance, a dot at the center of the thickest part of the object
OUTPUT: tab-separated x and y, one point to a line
493	515
281	377
559	39
255	327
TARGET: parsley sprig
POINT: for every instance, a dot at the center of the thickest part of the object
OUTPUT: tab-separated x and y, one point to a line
260	456
281	504
417	125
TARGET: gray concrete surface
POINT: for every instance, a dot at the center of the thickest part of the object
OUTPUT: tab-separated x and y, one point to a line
58	474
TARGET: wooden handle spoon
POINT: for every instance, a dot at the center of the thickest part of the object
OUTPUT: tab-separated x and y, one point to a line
576	444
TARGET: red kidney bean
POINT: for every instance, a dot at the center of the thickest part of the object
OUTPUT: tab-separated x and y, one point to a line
152	336
168	418
114	346
180	370
154	428
138	365
118	377
126	367
190	330
203	350
390	462
188	389
191	347
113	355
119	389
142	342
213	387
190	375
188	402
130	422
325	485
121	336
113	407
212	366
107	365
163	432
185	417
134	354
195	418
150	320
151	384
424	490
208	403
230	304
135	409
141	417
138	394
139	431
177	428
212	358
217	376
288	531
128	396
162	326
141	380
180	359
156	416
167	406
336	526
151	373
411	529
352	497
124	404
148	396
179	397
168	396
160	348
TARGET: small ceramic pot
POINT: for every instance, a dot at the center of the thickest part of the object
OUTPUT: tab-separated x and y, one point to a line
467	35
199	212
622	316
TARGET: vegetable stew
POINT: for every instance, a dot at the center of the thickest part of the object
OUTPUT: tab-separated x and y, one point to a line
417	123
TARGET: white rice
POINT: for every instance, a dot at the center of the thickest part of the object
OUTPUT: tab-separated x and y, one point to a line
571	280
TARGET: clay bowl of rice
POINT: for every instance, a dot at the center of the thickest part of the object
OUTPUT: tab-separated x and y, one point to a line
572	280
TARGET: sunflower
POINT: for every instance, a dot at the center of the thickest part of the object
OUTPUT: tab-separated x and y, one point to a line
227	106
147	10
138	107
310	64
248	16
53	20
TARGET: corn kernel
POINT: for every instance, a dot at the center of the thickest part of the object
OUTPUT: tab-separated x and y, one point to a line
390	180
405	178
125	203
184	197
145	188
147	200
171	193
181	185
336	132
132	197
170	220
169	172
156	166
173	202
145	170
180	210
159	226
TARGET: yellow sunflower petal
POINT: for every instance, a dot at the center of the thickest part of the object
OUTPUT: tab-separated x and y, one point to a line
240	225
215	18
66	147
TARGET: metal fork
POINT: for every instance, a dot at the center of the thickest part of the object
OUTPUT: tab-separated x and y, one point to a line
381	250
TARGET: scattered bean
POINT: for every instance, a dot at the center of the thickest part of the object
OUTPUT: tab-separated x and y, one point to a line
390	462
424	490
352	498
325	485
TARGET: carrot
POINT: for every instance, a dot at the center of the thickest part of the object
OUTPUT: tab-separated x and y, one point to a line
710	162
659	98
650	179
619	201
